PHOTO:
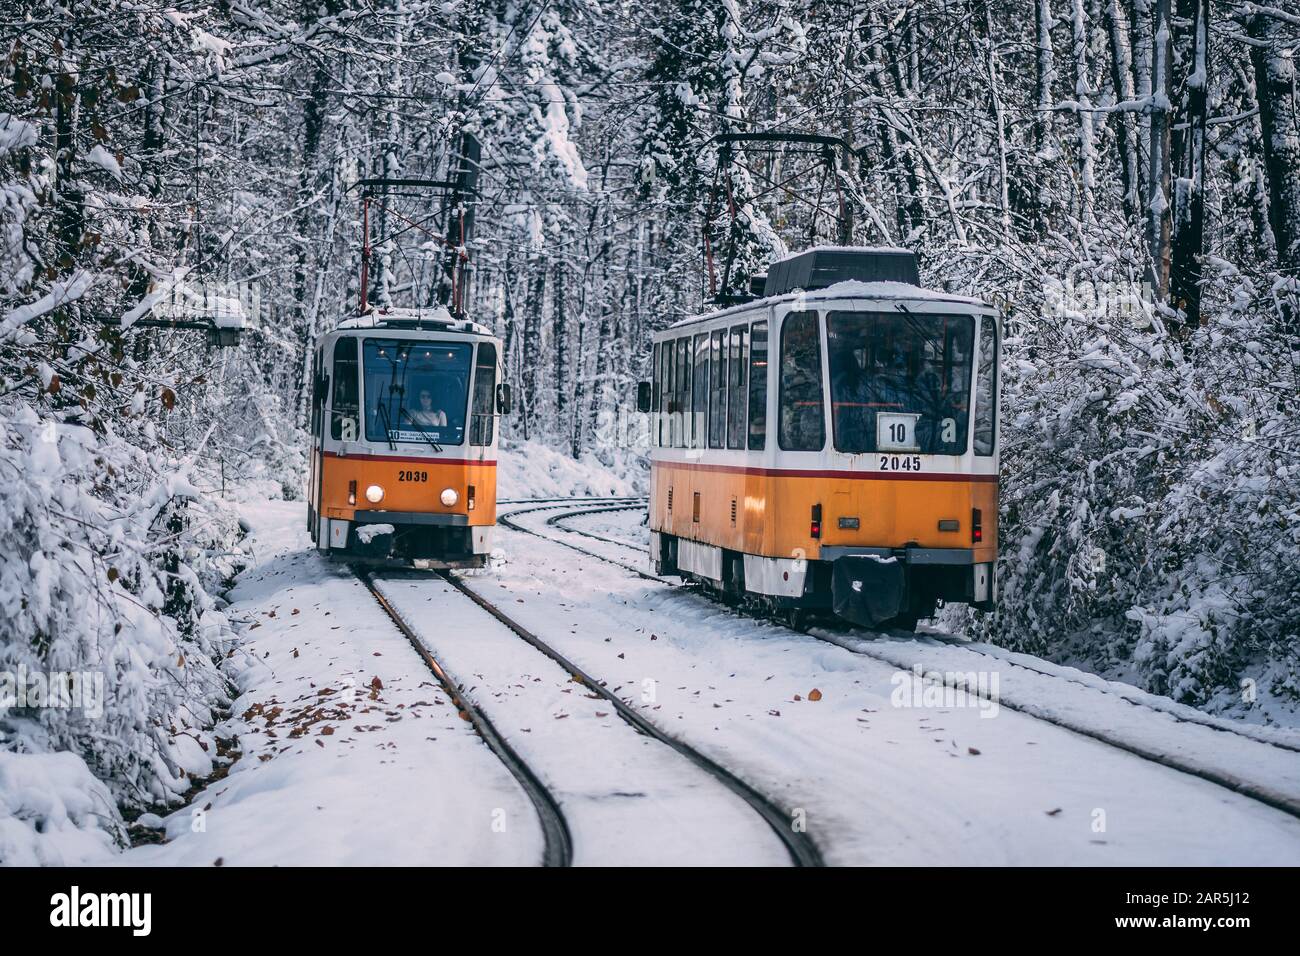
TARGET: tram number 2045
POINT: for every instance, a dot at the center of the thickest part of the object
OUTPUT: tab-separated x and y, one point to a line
900	462
405	475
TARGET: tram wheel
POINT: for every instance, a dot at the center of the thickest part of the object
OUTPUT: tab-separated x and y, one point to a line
905	622
797	618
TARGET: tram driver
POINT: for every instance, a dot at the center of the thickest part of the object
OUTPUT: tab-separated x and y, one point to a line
426	416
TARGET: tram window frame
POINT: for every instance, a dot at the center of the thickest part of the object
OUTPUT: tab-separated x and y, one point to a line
683	392
654	394
927	348
700	391
757	439
737	363
345	404
986	449
657	402
670	397
317	393
482	421
785	440
717	388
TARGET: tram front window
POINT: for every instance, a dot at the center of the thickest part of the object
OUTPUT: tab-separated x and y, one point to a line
900	381
416	391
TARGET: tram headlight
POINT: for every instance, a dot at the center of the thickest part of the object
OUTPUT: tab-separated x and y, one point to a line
449	497
374	494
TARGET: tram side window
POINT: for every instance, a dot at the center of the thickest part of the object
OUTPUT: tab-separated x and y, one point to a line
683	393
700	392
718	391
346	405
802	424
986	385
483	415
670	393
317	394
758	386
736	389
656	392
674	399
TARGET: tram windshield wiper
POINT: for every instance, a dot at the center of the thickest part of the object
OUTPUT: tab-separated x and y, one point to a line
388	427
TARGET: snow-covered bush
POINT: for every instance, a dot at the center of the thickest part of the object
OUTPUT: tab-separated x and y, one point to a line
1151	497
107	559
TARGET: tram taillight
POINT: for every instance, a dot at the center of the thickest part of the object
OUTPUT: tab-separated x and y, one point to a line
815	528
976	529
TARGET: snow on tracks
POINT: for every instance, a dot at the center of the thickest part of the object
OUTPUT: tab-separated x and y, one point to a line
627	798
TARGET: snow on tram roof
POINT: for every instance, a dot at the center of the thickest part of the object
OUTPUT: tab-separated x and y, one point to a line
849	289
432	318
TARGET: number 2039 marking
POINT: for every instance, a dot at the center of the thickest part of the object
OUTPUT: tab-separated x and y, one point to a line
412	476
900	463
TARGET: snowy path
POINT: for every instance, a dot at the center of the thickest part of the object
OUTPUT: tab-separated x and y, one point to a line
334	770
884	783
338	768
627	798
1116	713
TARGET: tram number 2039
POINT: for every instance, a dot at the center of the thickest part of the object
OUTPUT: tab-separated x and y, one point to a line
412	475
900	462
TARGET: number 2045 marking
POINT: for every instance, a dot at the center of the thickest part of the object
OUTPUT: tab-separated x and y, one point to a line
900	463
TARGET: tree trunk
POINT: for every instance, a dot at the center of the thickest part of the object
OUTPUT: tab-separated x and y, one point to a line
999	122
1280	124
532	346
1121	77
1188	149
1158	212
560	344
1083	99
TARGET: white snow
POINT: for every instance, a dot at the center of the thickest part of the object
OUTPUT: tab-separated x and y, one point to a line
884	782
105	160
628	800
532	470
15	133
61	293
53	812
368	532
337	769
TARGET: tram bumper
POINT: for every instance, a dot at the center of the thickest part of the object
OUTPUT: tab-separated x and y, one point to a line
868	589
428	540
870	586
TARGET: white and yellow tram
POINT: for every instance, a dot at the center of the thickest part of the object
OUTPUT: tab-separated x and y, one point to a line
404	438
832	444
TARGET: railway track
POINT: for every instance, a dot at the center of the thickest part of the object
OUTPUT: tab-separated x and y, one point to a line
557	842
799	846
1287	803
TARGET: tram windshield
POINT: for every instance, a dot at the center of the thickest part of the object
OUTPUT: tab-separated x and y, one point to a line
416	391
900	381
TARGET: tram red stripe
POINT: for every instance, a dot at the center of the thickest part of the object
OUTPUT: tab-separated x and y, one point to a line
806	473
418	461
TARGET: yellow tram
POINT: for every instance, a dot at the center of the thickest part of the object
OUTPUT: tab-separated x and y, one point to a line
404	438
832	444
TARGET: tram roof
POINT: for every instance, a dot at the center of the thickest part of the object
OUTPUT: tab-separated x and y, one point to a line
849	289
433	319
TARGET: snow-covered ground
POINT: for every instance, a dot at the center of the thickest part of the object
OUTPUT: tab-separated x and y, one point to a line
624	536
628	799
885	775
529	469
351	753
